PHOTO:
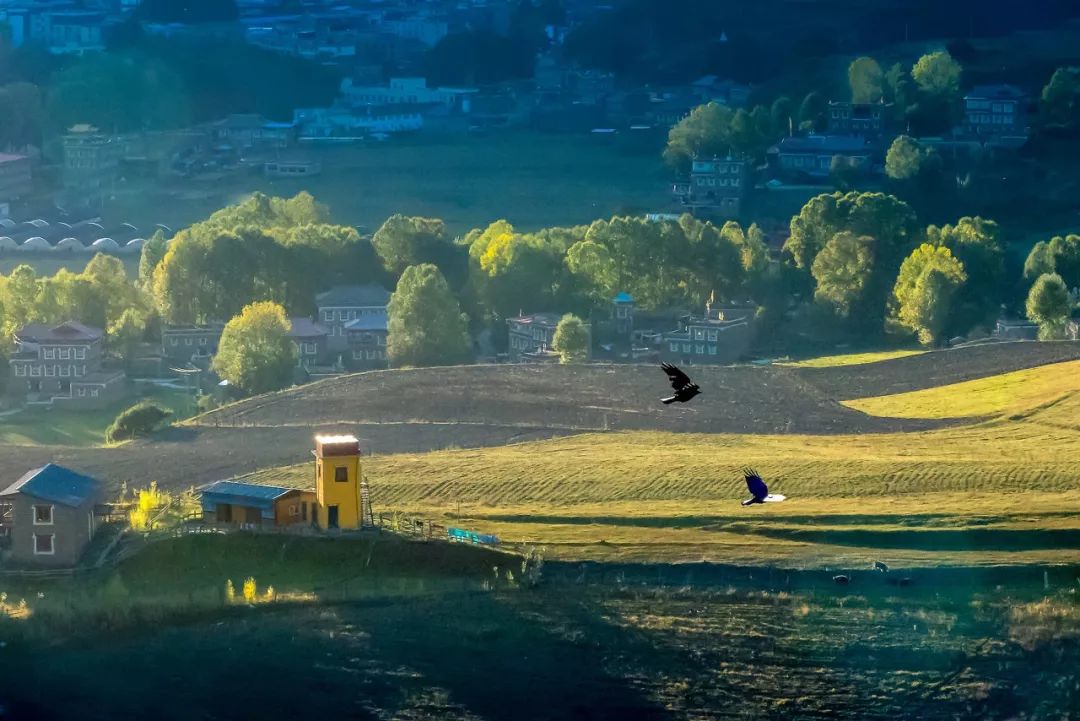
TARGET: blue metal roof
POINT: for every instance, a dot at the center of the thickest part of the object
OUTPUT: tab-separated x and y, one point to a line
57	484
623	298
248	494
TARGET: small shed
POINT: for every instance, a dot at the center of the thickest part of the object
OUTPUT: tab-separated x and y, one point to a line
254	504
51	515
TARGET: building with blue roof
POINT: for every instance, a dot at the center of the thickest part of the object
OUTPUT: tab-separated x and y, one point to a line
47	517
253	504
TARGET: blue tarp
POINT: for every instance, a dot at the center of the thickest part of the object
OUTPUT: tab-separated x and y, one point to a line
458	534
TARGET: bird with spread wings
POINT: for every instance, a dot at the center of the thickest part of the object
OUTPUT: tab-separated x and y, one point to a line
759	492
685	389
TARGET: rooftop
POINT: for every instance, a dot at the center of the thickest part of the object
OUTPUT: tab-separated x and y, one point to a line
623	297
376	321
57	484
10	158
823	144
353	296
547	319
999	92
239	489
69	331
306	328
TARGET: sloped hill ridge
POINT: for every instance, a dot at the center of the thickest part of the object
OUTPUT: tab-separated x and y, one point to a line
936	368
737	399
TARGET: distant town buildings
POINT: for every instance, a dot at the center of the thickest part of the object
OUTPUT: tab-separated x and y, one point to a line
717	187
91	159
61	365
996	113
721	335
185	344
866	120
341	305
813	155
531	334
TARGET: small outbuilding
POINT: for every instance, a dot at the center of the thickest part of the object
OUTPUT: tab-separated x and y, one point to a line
252	504
49	514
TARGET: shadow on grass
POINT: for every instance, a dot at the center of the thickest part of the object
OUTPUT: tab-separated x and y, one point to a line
973	539
910	519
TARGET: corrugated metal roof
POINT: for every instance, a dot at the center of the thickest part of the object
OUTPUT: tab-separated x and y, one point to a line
251	491
57	484
375	321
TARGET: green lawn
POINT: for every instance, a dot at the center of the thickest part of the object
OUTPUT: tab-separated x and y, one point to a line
532	180
62	427
850	359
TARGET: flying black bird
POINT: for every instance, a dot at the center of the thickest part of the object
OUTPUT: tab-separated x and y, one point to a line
758	490
685	389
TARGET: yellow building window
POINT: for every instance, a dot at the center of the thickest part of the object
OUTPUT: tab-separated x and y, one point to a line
341	474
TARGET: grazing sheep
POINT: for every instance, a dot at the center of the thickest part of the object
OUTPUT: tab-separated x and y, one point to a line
841	580
880	566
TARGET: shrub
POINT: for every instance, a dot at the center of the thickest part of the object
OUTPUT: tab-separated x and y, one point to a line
141	419
250	590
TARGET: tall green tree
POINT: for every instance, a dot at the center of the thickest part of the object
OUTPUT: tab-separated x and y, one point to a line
1061	255
782	115
1048	305
843	271
905	158
812	112
426	326
1061	98
125	333
938	75
256	353
153	251
705	132
571	339
898	89
925	286
403	241
977	244
866	80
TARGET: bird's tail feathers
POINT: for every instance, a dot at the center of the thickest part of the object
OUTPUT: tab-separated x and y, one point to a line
668	401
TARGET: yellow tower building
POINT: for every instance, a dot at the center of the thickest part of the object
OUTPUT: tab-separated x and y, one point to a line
337	482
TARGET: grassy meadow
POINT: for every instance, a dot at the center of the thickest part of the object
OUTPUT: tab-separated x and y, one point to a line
64	427
1003	490
850	359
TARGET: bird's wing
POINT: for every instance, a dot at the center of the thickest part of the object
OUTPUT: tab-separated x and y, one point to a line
677	377
757	487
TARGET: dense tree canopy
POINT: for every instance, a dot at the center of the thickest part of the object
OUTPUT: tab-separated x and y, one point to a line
1048	305
1061	255
256	354
1061	98
571	339
938	75
866	80
976	243
843	271
925	286
905	158
21	115
403	241
426	326
479	57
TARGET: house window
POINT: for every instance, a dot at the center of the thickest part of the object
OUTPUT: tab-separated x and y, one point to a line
174	341
699	349
43	544
35	371
699	334
341	474
713	334
65	371
94	392
20	370
685	347
43	515
82	391
202	341
674	347
80	354
358	355
310	349
187	341
50	370
712	350
48	353
328	315
64	354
